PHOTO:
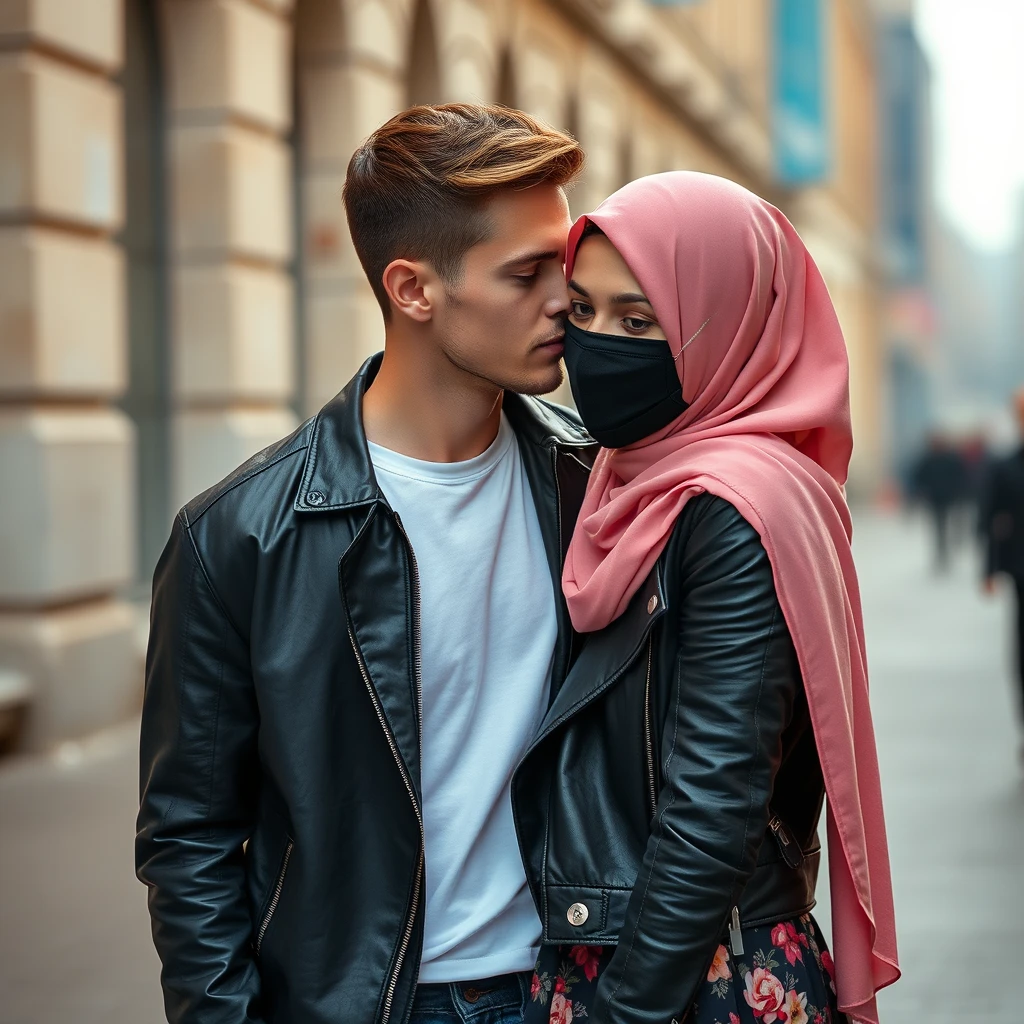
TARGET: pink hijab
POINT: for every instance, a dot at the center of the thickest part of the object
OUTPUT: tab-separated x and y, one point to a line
764	368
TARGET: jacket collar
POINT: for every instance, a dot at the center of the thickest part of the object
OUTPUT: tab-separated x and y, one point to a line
338	473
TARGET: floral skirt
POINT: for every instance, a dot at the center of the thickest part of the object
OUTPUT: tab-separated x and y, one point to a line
784	976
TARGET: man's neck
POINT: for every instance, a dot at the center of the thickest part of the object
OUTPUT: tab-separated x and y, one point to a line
424	407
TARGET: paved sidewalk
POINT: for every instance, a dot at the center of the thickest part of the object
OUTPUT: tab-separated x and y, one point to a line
952	776
74	931
74	928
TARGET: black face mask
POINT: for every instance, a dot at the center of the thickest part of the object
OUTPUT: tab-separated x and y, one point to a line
625	388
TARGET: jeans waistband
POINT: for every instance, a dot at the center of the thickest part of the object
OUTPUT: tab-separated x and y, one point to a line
467	999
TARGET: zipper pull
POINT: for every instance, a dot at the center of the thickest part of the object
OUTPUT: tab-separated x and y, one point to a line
735	933
791	852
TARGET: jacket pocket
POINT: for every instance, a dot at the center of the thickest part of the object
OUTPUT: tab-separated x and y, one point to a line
275	896
786	842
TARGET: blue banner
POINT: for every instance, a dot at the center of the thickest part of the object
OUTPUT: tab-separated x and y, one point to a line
800	101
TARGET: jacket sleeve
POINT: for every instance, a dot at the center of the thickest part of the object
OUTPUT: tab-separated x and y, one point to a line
198	772
734	687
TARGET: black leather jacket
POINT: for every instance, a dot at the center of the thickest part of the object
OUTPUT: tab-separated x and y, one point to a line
279	832
676	775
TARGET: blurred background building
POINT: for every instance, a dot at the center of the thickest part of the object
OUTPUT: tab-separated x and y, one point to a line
177	287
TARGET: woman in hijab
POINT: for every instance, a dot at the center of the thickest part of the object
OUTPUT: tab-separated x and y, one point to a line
668	811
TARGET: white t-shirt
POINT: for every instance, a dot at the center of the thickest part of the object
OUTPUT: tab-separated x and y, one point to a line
489	629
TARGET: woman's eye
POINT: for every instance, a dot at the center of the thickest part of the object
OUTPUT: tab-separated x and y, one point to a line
635	323
581	310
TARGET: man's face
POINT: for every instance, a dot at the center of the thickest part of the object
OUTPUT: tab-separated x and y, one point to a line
502	320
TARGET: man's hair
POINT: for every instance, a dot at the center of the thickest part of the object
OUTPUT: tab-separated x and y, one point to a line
417	188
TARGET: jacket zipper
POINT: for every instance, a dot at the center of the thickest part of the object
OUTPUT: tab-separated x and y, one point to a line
417	637
648	739
558	520
276	898
403	948
414	905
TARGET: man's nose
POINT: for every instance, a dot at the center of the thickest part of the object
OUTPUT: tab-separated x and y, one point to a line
557	303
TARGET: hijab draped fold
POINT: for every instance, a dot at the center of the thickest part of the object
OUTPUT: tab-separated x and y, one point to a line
764	370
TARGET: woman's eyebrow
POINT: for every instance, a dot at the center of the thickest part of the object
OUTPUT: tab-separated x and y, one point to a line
616	300
627	297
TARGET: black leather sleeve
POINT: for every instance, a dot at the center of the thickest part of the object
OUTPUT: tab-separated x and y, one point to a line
198	767
735	682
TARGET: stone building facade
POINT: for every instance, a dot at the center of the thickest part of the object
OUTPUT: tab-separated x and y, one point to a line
177	288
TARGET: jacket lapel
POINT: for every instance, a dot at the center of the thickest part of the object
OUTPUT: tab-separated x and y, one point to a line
375	578
607	653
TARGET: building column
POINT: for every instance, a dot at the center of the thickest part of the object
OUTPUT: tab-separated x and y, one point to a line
229	179
66	453
351	64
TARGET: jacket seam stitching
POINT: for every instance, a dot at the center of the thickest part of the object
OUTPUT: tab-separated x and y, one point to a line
206	575
760	922
220	670
280	457
309	468
657	846
181	647
757	725
590	885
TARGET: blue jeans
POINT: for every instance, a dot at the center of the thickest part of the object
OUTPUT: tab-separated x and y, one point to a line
489	1001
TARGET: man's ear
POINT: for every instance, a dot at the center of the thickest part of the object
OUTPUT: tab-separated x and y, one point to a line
410	287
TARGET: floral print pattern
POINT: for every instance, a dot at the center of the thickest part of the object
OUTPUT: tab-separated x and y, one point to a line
786	976
789	940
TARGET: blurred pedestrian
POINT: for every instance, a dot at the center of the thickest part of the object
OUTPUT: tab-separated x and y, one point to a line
1002	527
939	481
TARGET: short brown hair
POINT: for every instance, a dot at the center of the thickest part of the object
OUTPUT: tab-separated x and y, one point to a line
416	188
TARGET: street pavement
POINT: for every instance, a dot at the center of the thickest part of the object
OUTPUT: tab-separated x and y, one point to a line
74	930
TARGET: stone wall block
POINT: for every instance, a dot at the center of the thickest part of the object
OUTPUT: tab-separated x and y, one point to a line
327	245
326	112
229	57
342	331
234	328
62	320
66	510
61	154
210	443
542	89
83	663
89	31
378	30
230	194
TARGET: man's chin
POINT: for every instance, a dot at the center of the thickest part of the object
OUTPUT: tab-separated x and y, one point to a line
539	382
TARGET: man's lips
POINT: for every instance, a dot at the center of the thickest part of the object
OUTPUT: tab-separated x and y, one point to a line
558	339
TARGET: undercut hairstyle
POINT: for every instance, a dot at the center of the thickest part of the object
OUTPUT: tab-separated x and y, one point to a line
417	188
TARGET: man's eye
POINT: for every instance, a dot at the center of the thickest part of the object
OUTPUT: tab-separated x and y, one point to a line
582	310
527	278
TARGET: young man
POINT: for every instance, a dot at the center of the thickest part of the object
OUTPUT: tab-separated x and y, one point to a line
356	633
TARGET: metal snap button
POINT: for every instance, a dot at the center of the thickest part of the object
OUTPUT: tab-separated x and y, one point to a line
316	498
652	604
578	914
